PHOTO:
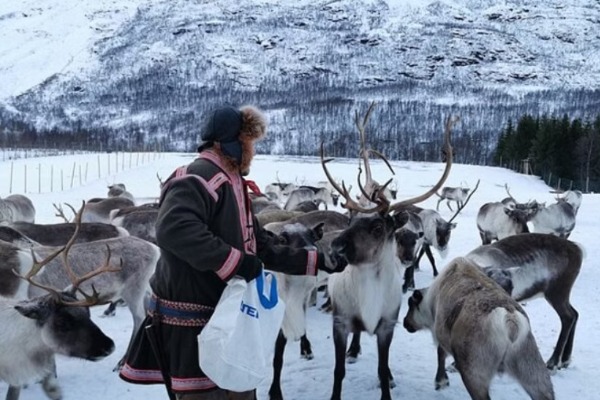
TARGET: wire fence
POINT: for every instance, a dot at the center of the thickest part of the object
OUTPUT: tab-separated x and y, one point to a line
29	173
560	184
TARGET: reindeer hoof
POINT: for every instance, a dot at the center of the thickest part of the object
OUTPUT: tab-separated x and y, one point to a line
51	388
564	364
444	383
351	359
307	355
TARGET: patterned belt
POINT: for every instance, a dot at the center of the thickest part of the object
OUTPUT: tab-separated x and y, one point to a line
179	313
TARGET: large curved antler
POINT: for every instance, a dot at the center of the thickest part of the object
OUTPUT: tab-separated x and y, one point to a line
350	204
76	281
447	154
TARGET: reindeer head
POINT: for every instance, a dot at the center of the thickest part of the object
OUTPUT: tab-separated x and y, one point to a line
418	316
65	328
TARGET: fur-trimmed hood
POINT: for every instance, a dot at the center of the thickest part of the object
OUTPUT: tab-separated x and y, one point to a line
253	127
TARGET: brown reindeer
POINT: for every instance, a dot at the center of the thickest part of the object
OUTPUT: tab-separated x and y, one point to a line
482	327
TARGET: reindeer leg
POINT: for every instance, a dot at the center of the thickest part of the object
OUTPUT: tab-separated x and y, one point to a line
448	204
305	348
526	365
568	318
275	390
431	260
421	252
50	384
354	350
13	393
409	279
340	340
566	356
477	379
441	377
385	333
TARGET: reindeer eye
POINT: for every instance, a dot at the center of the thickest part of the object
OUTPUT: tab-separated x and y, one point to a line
377	230
283	239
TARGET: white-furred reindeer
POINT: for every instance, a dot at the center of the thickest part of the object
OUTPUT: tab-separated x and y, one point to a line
534	264
482	327
367	295
34	330
498	220
456	194
557	219
119	190
15	208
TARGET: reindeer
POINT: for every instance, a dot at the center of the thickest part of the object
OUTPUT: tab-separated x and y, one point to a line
306	193
367	295
332	221
139	224
55	322
130	283
533	264
263	203
119	190
482	327
557	219
497	220
456	194
268	217
573	197
295	291
100	211
437	233
16	208
59	234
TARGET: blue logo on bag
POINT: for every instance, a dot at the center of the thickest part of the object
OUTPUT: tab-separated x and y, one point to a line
249	310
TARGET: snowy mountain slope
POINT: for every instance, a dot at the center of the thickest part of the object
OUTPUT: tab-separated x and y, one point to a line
152	64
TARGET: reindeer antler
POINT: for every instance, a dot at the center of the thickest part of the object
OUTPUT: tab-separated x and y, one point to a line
465	203
160	180
350	204
76	281
371	186
510	195
447	155
60	212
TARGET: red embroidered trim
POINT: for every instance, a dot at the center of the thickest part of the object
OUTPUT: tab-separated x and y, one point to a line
230	263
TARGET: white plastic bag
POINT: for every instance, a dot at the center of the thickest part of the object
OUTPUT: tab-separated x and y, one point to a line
236	345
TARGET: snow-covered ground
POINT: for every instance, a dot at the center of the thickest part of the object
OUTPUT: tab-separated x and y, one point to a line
413	356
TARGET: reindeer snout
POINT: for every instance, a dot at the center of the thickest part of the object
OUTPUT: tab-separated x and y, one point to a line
408	326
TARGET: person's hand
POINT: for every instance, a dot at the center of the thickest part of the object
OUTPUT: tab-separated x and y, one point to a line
250	268
331	262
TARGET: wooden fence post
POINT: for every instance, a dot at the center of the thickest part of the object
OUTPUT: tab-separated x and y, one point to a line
73	175
12	165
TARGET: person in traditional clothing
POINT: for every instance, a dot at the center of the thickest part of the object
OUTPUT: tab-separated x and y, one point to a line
207	234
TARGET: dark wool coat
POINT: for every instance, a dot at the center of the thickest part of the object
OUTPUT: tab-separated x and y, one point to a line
204	229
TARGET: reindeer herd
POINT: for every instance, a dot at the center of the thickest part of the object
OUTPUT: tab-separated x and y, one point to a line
51	274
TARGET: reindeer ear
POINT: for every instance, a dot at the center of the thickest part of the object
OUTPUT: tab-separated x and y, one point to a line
417	297
318	230
38	308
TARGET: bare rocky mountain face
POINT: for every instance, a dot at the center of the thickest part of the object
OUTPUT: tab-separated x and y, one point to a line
149	69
